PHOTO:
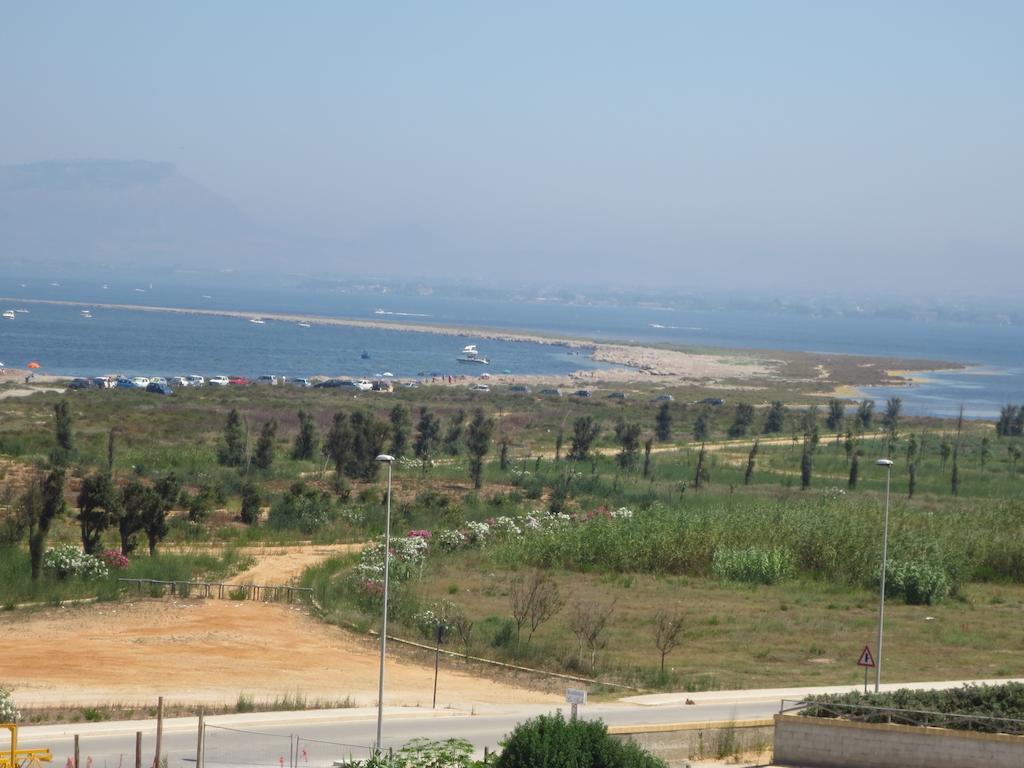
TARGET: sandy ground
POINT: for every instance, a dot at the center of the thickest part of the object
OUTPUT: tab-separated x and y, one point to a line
281	565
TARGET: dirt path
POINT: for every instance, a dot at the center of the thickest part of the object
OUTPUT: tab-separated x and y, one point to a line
210	651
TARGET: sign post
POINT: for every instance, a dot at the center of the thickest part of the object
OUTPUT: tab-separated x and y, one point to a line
867	661
575	696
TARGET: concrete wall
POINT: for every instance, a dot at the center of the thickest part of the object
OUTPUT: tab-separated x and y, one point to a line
830	743
679	743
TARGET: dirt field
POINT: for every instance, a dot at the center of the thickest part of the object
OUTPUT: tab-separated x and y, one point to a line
210	651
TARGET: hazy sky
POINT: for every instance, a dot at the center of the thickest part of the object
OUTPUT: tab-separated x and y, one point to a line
631	141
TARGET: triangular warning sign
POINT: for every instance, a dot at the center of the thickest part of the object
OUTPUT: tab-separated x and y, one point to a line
866	659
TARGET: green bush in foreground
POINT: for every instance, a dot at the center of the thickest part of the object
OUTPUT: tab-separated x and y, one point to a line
754	565
550	741
992	704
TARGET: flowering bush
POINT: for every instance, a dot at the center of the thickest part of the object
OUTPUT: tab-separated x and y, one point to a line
622	513
418	535
477	533
114	559
438	615
449	540
504	527
8	712
67	560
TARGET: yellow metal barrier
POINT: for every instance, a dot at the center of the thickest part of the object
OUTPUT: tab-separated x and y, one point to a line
22	758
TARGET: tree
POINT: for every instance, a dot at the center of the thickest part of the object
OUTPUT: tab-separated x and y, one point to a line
663	423
667	631
742	420
338	445
945	451
478	442
369	434
252	500
806	466
136	502
41	504
263	456
865	415
912	453
984	452
559	440
534	599
775	420
836	417
584	432
233	451
98	507
307	441
702	426
891	420
851	483
1011	420
748	476
589	623
168	489
503	446
452	442
701	475
62	427
628	438
400	426
648	445
810	426
428	437
849	445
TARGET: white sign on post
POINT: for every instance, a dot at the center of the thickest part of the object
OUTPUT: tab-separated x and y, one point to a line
575	696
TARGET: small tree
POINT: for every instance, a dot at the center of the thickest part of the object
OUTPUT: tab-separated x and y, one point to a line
700	477
559	440
663	423
775	419
748	476
137	501
836	417
307	441
452	443
168	489
984	452
252	500
263	456
428	437
668	629
42	503
233	451
628	438
62	427
648	446
891	421
534	599
865	415
338	445
589	623
584	432
806	466
742	420
400	426
945	451
478	442
702	426
851	483
503	446
98	507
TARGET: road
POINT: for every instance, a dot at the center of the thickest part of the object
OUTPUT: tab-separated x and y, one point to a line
318	738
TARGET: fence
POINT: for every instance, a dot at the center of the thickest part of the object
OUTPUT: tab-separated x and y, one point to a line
220	591
890	715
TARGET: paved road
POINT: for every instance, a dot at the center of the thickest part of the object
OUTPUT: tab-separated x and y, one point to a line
317	739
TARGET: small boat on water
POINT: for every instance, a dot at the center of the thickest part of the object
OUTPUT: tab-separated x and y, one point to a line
9	314
21	311
256	320
303	324
87	314
471	355
365	355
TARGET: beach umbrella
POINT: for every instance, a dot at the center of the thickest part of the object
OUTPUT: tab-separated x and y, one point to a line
33	365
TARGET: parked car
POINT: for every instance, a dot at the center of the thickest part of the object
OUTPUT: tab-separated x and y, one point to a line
617	396
105	382
140	382
712	401
363	385
157	380
195	380
336	384
300	382
382	385
268	379
411	384
582	393
551	392
238	381
123	382
83	384
178	381
519	389
480	388
159	389
663	399
219	381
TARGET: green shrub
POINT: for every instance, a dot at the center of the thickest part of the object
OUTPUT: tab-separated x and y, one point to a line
301	508
549	741
919	582
753	565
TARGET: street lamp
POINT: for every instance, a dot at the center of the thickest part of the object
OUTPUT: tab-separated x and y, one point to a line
389	460
887	463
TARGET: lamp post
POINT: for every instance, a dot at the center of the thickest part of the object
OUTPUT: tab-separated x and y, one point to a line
887	463
386	459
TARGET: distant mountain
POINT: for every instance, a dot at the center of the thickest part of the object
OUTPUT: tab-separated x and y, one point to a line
114	213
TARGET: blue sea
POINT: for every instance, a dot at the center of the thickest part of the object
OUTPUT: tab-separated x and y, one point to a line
148	343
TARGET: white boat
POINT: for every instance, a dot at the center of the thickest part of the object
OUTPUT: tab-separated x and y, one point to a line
303	324
87	314
471	355
257	320
21	311
9	314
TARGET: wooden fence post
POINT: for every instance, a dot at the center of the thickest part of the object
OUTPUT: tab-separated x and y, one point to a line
159	730
77	754
138	749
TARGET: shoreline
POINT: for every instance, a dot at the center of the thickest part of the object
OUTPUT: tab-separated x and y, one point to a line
628	361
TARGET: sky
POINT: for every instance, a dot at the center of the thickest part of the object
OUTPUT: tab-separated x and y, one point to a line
718	143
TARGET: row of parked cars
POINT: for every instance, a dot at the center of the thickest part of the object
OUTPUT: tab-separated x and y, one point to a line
165	386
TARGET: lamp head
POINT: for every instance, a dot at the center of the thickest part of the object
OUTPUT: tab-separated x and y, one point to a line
881	462
387	459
